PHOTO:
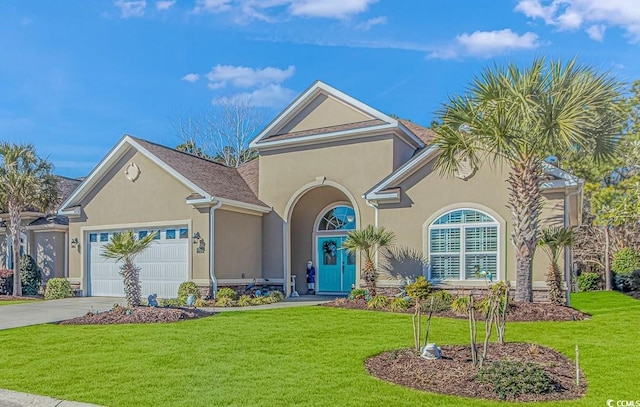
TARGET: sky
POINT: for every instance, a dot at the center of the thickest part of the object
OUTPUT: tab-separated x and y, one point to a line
77	75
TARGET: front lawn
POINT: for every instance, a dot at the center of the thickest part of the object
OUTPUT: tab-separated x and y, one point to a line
12	302
293	356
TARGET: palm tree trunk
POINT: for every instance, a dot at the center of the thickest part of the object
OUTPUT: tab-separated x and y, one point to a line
14	228
525	203
132	289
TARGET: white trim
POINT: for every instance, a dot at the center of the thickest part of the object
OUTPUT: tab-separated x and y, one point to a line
244	205
47	228
202	202
66	254
398	175
333	136
243	281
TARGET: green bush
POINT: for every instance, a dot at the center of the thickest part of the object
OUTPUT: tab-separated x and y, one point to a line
358	294
625	261
588	281
244	301
510	379
399	304
276	295
225	302
227	292
170	302
260	301
442	301
201	302
419	290
6	282
58	288
626	283
378	302
186	289
30	275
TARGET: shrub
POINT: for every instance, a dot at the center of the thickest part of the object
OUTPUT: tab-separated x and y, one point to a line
58	288
30	275
276	295
419	290
510	379
227	292
260	301
626	283
399	304
625	261
201	302
378	302
170	302
186	289
225	302
442	301
244	301
6	282
588	281
358	294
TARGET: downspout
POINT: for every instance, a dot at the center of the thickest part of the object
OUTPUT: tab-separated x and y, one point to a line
568	251
66	254
212	273
375	222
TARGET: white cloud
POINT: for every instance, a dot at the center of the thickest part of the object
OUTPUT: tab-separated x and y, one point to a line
272	96
165	4
245	77
372	22
131	8
212	6
596	14
596	32
191	77
486	44
329	8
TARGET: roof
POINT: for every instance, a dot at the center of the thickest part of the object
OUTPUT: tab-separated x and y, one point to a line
324	130
249	172
215	179
66	186
50	220
425	134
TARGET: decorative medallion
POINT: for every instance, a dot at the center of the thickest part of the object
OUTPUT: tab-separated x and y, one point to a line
465	170
132	172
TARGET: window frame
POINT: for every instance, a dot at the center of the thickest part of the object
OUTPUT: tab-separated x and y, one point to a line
462	254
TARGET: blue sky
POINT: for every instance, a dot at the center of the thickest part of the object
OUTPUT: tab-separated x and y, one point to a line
77	75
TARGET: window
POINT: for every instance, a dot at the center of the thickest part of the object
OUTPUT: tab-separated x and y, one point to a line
142	234
184	233
93	237
104	237
338	218
157	235
461	241
170	234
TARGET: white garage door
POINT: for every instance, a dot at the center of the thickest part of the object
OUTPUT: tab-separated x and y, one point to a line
163	266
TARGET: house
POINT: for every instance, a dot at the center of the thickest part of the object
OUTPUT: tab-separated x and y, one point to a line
327	164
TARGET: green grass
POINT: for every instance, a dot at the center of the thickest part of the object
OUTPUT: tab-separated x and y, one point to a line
293	356
12	302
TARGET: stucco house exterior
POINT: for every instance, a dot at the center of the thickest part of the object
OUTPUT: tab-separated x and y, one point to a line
327	164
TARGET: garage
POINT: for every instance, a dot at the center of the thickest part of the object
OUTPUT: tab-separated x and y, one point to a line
163	266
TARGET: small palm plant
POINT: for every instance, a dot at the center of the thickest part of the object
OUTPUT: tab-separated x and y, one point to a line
552	241
125	247
369	241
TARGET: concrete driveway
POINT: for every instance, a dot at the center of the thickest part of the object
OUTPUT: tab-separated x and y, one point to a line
44	312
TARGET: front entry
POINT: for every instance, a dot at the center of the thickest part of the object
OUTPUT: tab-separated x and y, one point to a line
336	269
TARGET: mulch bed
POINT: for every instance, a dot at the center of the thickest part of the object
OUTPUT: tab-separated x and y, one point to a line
519	312
18	298
138	315
454	374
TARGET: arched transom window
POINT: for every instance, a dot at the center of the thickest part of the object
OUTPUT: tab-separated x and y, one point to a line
340	217
460	241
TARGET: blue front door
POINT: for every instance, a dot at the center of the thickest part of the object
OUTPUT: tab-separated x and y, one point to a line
336	270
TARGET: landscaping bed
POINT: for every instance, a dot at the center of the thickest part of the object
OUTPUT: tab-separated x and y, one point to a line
137	315
18	298
518	312
454	374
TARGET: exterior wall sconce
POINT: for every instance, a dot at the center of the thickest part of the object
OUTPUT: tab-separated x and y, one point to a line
74	242
196	237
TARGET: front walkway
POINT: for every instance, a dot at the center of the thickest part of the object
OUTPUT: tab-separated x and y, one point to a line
10	398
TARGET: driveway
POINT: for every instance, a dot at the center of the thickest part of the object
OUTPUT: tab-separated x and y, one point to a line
44	312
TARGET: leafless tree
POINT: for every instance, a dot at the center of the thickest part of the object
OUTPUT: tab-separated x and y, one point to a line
222	133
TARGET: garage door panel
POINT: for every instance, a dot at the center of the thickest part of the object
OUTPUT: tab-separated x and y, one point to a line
163	266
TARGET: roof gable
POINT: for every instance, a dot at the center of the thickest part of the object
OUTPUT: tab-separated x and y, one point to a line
323	113
208	180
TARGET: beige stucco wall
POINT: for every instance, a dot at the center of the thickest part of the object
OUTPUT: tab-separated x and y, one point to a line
427	195
48	249
154	199
324	111
238	245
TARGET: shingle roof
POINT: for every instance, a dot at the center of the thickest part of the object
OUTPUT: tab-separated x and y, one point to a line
66	186
423	133
215	179
324	130
249	172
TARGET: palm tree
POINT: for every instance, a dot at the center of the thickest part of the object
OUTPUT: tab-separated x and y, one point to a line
125	247
553	240
517	117
26	183
369	241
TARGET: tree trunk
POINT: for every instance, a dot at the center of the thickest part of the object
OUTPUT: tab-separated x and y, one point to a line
607	258
525	203
14	228
132	289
